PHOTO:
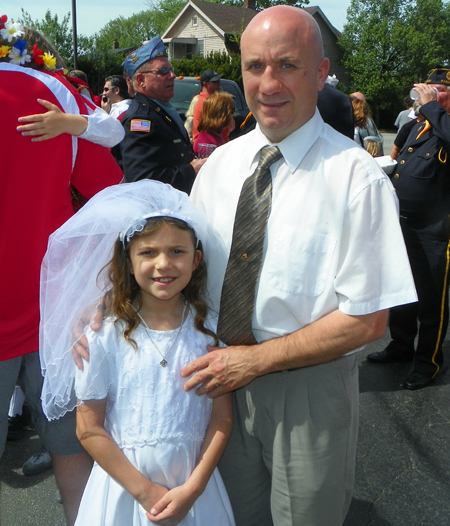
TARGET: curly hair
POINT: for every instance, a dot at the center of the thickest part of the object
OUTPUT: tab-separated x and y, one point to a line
215	113
123	300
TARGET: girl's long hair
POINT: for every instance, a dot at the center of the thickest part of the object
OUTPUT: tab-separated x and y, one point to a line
123	300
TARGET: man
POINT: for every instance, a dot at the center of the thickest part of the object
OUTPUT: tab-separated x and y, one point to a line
156	144
325	284
115	97
210	81
422	182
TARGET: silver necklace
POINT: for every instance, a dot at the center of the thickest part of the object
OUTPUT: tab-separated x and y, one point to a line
164	362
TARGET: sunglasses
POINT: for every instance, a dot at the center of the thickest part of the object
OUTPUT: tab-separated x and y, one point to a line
162	72
107	89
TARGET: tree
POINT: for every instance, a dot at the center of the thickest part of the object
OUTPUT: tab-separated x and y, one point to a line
164	12
390	44
127	32
59	34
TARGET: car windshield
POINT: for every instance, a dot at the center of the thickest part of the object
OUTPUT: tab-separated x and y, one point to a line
184	93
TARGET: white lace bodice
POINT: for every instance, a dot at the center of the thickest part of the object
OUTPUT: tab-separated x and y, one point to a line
146	403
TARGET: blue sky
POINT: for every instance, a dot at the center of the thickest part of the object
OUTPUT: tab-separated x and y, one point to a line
92	15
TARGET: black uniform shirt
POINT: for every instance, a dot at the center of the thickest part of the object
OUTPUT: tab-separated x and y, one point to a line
154	147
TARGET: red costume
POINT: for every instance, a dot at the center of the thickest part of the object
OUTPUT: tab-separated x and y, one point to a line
35	196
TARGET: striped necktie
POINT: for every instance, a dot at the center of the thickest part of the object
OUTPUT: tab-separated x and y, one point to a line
239	285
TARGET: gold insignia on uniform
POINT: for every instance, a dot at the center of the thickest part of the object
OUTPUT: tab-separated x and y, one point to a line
134	58
447	75
176	140
160	54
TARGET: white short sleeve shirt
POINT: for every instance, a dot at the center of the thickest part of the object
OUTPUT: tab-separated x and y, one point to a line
333	238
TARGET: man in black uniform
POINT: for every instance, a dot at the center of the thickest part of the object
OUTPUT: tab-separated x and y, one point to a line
422	181
156	144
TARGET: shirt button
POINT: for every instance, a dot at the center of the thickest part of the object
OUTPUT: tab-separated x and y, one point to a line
182	155
410	149
402	161
396	176
428	154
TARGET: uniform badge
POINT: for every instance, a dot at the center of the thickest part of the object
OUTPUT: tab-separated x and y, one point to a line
139	125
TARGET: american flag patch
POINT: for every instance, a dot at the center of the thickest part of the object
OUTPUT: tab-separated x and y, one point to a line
138	125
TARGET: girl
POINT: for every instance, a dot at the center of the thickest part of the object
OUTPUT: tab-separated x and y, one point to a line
156	446
216	121
364	126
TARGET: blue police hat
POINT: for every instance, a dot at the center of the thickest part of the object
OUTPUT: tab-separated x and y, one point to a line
153	49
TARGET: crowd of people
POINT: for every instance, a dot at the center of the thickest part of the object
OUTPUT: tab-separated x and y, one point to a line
183	317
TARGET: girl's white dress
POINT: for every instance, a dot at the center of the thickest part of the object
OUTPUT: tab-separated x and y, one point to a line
158	425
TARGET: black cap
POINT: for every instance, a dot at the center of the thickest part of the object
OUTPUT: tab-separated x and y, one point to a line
439	75
210	76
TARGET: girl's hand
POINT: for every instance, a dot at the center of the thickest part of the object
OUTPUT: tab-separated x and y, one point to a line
173	507
154	494
52	123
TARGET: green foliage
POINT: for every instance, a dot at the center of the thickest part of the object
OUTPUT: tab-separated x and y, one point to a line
127	32
59	33
228	66
164	12
391	44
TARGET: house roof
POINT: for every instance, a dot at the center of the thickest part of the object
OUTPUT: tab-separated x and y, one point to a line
224	18
233	19
230	19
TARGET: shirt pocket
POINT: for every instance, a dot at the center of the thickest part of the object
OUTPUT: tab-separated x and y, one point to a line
299	261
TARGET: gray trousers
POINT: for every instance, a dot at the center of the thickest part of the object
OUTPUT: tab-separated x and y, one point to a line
58	436
291	457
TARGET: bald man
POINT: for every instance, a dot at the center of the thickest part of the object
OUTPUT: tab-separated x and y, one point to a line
323	290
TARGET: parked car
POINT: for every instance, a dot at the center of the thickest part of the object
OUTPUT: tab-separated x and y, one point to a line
186	88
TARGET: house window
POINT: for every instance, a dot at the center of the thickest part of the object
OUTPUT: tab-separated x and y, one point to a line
201	48
194	21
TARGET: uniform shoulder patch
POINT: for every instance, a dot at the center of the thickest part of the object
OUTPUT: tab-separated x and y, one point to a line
140	125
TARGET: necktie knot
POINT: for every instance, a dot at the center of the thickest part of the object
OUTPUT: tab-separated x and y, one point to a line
269	155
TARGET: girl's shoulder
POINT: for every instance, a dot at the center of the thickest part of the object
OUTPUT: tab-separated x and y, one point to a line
110	329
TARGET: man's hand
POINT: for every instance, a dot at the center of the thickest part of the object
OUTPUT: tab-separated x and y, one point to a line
80	349
52	123
221	370
427	93
198	163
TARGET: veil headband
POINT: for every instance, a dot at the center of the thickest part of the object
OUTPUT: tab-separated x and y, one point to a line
70	273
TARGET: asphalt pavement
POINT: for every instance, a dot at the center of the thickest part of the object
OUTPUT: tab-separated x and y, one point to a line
403	455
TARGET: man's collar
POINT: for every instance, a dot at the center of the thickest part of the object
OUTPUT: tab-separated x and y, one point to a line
295	146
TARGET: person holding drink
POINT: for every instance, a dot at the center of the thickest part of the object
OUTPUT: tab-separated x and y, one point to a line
422	182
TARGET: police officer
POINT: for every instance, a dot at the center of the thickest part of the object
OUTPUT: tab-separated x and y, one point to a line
156	145
422	182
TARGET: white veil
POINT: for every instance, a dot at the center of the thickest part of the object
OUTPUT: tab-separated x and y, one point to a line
76	254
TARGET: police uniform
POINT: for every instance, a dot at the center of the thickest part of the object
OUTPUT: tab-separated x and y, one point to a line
422	182
154	146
